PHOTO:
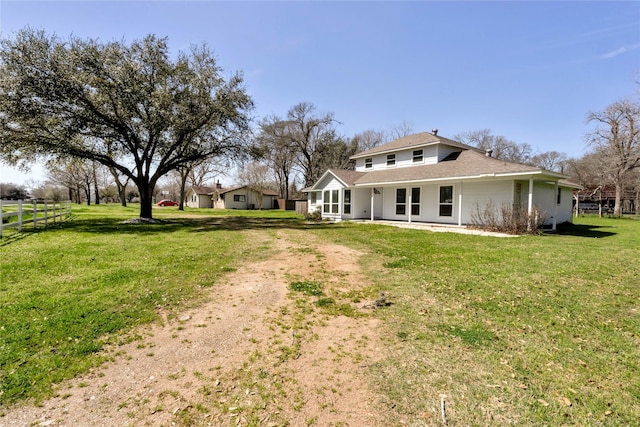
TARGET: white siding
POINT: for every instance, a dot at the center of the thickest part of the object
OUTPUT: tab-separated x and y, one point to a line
445	150
478	194
545	198
361	203
404	158
565	208
330	183
314	206
250	200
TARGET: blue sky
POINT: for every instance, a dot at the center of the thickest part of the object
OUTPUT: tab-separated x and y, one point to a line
530	71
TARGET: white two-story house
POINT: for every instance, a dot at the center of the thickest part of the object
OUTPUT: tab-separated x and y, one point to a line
428	178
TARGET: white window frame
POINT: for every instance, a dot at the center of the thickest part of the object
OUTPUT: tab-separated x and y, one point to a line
346	203
415	203
418	156
441	204
401	204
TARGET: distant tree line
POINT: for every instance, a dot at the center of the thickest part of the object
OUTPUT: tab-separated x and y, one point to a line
116	121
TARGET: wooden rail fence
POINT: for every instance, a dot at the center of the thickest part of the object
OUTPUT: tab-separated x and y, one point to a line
28	213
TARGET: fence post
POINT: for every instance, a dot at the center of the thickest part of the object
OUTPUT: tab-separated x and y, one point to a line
45	214
19	215
35	214
1	219
54	211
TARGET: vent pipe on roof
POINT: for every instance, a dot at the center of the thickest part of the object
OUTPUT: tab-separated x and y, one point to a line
488	152
434	131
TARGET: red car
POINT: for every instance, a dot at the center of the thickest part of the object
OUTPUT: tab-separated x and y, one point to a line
167	203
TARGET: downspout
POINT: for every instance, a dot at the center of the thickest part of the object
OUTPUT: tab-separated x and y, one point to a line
409	206
530	202
373	192
555	210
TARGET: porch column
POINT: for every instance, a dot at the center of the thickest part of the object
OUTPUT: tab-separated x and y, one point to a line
530	207
409	206
373	192
555	209
460	206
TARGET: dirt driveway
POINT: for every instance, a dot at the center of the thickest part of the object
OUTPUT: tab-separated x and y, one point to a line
257	353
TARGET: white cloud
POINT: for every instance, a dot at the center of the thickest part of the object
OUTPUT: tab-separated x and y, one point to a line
619	51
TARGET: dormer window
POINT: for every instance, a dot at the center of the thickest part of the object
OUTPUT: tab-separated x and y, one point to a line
391	159
417	156
368	163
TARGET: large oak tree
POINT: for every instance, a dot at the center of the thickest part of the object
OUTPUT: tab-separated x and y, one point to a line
617	137
132	107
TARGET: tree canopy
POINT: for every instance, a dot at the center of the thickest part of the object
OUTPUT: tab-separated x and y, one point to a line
129	107
304	142
616	138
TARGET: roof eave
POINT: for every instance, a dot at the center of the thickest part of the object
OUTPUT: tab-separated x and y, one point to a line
342	182
464	178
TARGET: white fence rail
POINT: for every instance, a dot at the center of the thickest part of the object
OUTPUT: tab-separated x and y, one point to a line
22	213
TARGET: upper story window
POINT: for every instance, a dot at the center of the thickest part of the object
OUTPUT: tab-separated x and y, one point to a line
417	156
368	163
391	159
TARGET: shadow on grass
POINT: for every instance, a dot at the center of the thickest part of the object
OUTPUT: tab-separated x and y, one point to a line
584	230
196	225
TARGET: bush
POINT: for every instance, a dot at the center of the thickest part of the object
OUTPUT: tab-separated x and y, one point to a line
313	216
507	219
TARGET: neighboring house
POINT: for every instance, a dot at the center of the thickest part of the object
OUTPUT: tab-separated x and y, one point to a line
428	178
243	198
199	197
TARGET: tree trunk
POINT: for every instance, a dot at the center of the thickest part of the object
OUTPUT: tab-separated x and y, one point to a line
146	200
87	192
617	208
183	183
123	195
95	185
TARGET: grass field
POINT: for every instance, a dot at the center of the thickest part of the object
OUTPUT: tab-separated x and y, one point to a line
535	330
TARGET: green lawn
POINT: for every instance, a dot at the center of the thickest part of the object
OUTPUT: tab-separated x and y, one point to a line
67	291
534	330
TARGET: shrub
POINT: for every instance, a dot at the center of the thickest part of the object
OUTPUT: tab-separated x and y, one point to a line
507	219
313	216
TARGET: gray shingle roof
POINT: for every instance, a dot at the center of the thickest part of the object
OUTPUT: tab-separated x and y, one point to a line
416	140
264	193
202	190
349	177
469	163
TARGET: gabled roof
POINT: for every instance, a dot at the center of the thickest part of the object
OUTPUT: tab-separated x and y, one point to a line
346	177
468	164
264	193
202	190
413	141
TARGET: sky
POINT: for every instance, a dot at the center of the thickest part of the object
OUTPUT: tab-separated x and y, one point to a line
529	71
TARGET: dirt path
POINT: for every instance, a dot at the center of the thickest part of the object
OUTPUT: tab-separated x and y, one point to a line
255	354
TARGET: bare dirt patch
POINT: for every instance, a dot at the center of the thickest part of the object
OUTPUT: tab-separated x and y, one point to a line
256	353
